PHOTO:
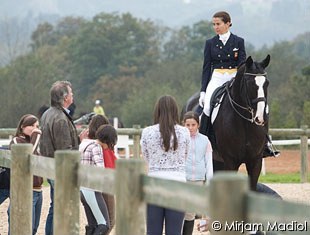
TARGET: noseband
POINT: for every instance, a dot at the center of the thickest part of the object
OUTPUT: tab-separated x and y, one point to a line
249	102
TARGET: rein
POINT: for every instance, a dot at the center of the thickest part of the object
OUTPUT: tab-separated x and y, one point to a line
254	101
255	74
234	103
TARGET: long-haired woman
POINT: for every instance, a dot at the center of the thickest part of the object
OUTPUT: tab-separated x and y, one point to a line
165	146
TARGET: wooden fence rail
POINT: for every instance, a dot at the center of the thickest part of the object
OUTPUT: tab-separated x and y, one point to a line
228	201
302	132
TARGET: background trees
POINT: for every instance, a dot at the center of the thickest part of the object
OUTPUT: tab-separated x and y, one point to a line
128	63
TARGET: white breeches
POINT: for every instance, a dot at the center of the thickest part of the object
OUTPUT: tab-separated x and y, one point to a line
217	80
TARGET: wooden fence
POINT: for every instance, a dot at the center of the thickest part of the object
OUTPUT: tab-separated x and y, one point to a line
302	132
227	200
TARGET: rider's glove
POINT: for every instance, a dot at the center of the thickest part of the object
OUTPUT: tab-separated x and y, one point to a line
202	98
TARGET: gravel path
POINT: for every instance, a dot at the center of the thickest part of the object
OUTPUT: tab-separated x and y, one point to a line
292	192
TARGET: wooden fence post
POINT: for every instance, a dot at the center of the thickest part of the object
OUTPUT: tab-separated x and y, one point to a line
304	155
136	143
21	190
67	193
227	202
130	209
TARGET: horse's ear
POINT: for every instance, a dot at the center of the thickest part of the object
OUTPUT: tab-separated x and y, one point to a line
249	62
266	61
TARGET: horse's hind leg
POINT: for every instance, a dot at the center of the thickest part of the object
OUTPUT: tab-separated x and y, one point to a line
253	169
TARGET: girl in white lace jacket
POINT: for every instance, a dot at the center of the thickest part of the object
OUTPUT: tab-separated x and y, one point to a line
165	146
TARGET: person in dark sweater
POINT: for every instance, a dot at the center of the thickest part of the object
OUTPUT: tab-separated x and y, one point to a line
28	132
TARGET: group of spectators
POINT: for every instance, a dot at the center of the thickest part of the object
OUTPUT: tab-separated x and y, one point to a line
58	132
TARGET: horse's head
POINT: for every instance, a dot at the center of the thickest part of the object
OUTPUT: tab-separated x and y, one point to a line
253	87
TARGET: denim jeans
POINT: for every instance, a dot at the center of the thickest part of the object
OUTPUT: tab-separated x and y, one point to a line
36	210
4	194
37	199
156	216
49	219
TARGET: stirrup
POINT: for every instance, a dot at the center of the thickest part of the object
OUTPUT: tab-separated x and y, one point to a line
270	151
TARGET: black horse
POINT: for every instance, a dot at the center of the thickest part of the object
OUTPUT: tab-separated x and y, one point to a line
241	124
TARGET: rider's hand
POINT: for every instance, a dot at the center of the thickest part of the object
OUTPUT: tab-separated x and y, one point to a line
202	98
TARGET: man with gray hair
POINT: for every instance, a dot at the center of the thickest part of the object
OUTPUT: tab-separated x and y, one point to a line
58	133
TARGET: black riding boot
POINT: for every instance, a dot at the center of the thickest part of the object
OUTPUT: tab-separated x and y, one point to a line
188	227
89	230
204	124
206	129
269	150
101	229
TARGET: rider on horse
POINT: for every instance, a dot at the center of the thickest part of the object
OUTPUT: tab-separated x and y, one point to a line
222	55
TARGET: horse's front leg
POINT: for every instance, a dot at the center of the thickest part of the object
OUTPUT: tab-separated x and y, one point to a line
253	168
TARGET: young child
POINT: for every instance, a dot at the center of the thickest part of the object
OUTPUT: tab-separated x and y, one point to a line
199	168
97	208
107	136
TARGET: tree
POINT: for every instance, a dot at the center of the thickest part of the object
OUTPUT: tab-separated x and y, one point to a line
42	36
302	45
306	113
108	42
294	96
26	82
290	121
188	42
275	114
13	39
177	78
69	27
115	91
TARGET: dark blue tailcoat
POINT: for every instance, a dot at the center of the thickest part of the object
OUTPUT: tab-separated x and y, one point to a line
220	56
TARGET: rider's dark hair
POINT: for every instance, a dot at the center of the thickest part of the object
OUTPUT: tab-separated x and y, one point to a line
224	16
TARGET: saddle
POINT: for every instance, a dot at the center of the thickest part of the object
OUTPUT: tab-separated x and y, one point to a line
218	95
215	103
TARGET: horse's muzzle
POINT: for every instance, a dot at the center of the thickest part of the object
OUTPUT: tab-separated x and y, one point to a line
259	122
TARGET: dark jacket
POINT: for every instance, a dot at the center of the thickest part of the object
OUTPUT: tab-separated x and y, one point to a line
34	140
58	132
220	56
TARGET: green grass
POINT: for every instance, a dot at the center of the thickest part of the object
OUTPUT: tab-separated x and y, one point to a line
281	178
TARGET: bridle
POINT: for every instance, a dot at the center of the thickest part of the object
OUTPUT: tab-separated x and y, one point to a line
249	102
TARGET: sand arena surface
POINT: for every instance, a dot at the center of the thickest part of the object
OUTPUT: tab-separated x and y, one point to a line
288	162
